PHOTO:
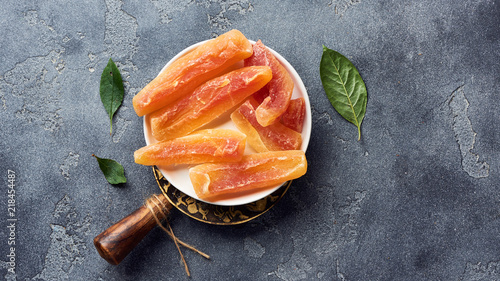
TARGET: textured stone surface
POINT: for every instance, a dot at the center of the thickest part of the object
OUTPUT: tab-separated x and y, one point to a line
416	199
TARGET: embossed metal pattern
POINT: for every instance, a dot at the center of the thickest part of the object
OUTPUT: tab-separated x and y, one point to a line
214	214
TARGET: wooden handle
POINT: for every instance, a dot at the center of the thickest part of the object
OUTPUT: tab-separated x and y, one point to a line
116	242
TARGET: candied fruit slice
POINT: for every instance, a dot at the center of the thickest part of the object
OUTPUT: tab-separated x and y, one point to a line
294	115
205	146
208	102
191	70
280	87
271	138
255	171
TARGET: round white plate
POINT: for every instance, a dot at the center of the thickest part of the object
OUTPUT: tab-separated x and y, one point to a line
178	175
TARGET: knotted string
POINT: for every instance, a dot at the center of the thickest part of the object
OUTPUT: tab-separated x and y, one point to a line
152	202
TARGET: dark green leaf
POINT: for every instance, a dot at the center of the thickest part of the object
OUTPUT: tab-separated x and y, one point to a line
111	90
343	86
112	170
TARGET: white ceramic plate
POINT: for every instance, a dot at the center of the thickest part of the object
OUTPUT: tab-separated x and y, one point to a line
178	175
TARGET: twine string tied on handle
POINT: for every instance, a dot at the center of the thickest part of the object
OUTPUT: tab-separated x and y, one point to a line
154	202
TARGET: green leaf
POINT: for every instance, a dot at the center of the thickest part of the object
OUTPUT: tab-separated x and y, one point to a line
111	90
343	86
112	170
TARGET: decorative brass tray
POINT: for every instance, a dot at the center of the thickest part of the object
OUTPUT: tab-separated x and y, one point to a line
214	214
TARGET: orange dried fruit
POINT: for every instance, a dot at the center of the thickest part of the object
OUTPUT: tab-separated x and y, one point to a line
294	115
204	146
191	70
280	87
207	102
271	138
254	172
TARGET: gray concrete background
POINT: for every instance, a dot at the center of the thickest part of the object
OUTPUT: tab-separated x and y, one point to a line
416	199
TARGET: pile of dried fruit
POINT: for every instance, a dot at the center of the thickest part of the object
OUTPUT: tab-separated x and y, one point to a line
194	90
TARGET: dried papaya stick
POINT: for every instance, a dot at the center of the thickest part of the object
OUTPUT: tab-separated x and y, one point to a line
294	115
205	146
254	172
191	70
208	102
280	87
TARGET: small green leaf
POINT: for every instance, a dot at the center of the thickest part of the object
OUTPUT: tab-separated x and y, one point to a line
112	170
111	90
343	86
